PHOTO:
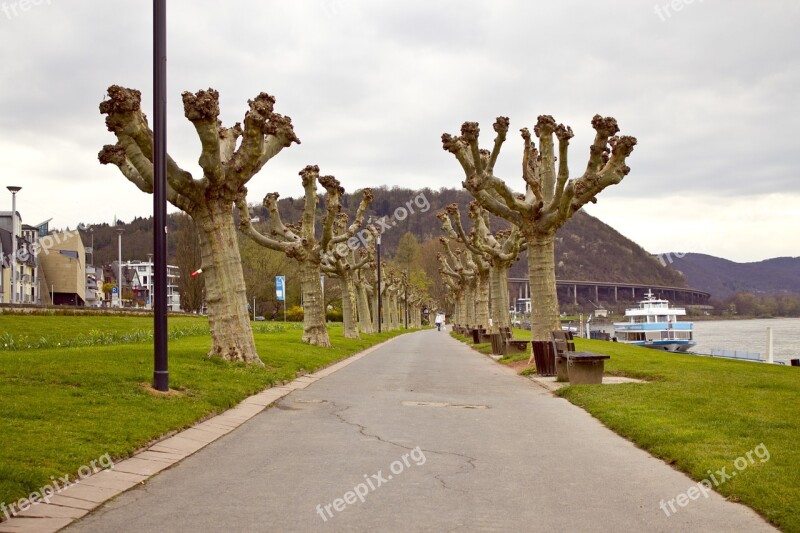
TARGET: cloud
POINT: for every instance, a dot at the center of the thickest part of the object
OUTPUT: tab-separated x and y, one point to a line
371	86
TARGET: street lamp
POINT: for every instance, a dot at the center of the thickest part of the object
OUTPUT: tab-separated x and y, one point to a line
91	232
159	300
119	266
14	190
370	221
380	300
405	296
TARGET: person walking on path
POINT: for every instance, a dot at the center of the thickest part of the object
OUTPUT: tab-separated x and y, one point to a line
439	320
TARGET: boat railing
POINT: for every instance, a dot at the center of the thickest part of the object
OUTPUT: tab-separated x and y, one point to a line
670	309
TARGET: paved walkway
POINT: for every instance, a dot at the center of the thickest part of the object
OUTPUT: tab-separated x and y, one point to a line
423	434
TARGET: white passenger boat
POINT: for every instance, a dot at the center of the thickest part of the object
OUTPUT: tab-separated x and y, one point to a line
654	324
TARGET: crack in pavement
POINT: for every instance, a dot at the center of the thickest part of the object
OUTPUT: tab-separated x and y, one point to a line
470	461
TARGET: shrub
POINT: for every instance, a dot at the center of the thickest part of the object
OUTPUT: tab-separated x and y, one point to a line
294	314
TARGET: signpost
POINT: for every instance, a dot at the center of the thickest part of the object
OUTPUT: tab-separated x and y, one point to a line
280	292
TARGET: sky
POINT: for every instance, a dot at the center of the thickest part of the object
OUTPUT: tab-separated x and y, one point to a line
711	90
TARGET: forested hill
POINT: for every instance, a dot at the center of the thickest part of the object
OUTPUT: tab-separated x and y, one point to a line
587	249
722	278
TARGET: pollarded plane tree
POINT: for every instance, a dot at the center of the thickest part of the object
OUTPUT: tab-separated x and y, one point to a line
479	265
299	242
344	262
460	270
398	288
550	198
230	157
500	250
415	299
389	282
453	297
392	287
456	290
364	281
363	285
369	282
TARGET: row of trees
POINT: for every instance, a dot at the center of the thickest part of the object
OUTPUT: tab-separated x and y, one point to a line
230	157
760	305
551	198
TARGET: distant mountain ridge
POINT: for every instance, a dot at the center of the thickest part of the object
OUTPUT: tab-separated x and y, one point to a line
723	278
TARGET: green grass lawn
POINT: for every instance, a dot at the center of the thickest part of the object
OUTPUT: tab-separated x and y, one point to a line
62	407
20	332
700	414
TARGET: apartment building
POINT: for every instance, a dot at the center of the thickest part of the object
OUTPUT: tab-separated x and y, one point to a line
146	272
27	279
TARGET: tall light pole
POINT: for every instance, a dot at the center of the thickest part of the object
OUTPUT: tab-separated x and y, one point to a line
160	367
91	232
119	266
14	190
405	296
380	300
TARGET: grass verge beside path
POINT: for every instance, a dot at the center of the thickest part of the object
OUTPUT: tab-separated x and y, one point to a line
30	332
60	408
701	414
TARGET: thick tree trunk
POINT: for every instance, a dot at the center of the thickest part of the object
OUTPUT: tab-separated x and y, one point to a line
482	300
461	306
469	304
364	316
231	333
349	306
314	330
388	303
499	293
542	273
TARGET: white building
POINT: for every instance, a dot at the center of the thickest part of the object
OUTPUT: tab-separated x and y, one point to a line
146	272
26	288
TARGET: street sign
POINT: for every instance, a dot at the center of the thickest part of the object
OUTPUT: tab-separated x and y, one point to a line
114	290
280	292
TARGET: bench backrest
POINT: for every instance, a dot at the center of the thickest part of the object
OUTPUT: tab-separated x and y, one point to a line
564	341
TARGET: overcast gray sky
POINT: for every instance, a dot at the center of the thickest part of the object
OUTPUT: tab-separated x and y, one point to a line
711	90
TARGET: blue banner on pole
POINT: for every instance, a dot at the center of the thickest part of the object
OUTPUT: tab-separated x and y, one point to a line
280	282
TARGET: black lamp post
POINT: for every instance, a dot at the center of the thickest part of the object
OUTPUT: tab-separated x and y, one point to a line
405	296
380	300
378	289
160	370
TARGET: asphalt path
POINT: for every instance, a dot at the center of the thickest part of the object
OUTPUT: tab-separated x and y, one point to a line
423	434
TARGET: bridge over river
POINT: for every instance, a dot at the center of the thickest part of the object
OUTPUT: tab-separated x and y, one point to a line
575	292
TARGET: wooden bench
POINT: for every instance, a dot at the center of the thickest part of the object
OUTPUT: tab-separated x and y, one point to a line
503	343
586	368
514	345
480	335
579	368
564	344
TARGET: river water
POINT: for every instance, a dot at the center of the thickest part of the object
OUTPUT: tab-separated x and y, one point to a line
750	336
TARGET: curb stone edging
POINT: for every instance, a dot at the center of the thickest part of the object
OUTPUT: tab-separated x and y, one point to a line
77	500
